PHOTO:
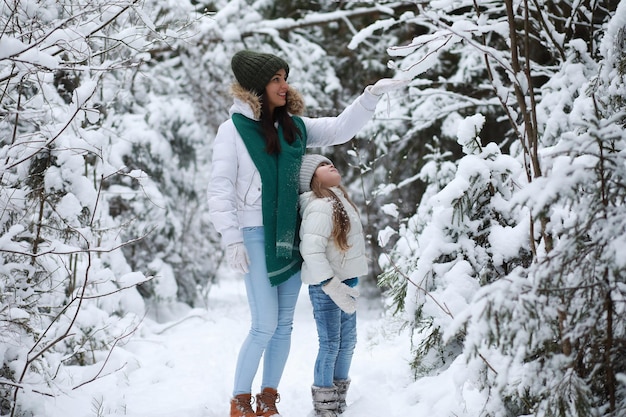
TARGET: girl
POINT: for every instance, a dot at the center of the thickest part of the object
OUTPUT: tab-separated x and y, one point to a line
333	248
253	204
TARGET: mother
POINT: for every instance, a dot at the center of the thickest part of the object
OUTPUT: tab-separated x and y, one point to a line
253	204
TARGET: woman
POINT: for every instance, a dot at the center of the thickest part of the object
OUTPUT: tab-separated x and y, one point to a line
253	204
333	248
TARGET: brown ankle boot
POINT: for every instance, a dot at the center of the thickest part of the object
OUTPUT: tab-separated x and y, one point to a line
240	406
266	403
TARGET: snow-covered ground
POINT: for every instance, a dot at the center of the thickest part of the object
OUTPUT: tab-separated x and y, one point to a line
185	366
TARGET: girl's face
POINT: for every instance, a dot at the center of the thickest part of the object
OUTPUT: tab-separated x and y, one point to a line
276	90
327	175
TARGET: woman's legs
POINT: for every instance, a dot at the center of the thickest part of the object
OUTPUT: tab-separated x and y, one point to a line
271	310
277	350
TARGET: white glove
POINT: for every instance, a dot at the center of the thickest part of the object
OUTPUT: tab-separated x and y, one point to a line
343	295
237	256
386	85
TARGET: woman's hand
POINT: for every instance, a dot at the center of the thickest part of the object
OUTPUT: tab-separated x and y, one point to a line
386	85
237	256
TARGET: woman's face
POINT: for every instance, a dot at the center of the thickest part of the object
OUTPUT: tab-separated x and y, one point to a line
327	175
276	90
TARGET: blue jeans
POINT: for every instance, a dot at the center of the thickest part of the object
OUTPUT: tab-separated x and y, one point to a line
336	331
271	310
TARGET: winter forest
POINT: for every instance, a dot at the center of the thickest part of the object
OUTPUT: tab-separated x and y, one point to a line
492	189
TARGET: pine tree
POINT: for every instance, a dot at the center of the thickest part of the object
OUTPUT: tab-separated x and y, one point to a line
544	331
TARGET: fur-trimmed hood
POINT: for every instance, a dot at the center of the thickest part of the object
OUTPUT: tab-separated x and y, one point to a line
249	104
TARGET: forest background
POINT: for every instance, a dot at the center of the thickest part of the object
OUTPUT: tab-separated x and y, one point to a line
492	189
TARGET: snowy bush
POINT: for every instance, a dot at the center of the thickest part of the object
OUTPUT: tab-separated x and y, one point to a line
79	192
514	262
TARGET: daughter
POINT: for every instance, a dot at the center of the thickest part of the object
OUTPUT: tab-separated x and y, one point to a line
333	248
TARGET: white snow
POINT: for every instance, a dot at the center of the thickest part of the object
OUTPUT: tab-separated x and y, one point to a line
177	361
185	367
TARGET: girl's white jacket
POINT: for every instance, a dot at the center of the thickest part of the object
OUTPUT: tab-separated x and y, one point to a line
235	185
322	258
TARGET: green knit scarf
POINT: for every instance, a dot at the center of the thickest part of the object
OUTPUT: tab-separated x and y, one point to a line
280	178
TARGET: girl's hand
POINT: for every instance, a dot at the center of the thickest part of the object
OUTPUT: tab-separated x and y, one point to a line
343	295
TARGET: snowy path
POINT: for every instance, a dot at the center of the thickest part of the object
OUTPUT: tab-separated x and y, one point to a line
197	359
186	368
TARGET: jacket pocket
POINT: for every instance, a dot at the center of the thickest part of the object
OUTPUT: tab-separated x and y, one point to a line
253	189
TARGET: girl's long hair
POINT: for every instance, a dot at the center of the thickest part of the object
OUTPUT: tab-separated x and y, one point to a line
341	221
290	130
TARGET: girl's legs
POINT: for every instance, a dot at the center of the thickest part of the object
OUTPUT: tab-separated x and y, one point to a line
344	359
346	346
328	321
271	310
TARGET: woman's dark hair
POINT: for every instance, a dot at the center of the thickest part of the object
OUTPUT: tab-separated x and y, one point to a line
290	130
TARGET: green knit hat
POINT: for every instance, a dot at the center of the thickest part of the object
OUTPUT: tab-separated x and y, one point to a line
253	70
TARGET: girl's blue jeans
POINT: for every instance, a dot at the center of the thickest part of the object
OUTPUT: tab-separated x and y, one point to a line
336	331
271	310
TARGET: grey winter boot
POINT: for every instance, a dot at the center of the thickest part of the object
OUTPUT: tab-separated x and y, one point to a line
342	391
324	401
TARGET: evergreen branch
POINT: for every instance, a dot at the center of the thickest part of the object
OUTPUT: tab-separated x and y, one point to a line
441	305
396	268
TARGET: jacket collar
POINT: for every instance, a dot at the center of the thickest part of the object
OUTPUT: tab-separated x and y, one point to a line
249	104
308	196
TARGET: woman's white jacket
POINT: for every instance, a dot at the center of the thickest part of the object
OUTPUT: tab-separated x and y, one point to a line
322	258
235	185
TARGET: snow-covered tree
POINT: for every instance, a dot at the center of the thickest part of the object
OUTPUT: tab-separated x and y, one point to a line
99	188
495	180
535	303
